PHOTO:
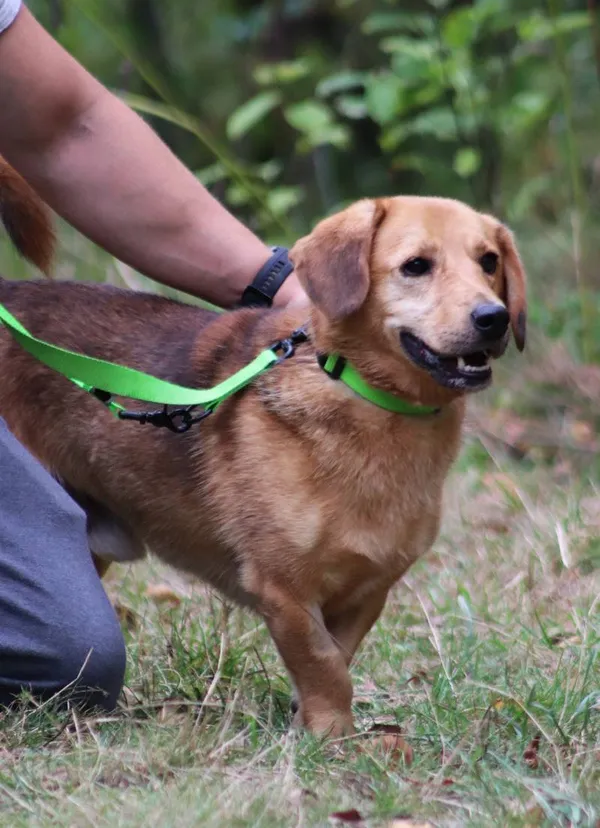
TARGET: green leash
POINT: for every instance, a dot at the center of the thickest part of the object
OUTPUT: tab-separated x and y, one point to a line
104	379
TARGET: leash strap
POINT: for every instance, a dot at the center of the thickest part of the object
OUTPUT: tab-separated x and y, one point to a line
340	369
104	379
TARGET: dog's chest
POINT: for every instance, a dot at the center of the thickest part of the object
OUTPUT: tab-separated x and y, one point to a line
330	509
383	520
377	499
378	517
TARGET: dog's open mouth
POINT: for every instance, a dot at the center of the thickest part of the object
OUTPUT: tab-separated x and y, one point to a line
470	372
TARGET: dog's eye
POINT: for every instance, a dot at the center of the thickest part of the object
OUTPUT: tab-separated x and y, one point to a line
417	266
489	263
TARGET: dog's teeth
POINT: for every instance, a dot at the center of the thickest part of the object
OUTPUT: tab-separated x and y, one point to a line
471	369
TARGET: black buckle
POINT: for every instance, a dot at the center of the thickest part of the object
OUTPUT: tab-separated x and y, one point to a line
336	372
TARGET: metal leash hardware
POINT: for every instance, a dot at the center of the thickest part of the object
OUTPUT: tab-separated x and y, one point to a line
180	420
288	345
163	418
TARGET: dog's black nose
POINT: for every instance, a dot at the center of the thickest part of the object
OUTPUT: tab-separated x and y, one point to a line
490	320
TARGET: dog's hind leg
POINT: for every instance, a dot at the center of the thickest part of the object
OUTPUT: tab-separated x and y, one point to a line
110	539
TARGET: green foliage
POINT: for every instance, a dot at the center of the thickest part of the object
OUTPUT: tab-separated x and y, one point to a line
292	110
252	113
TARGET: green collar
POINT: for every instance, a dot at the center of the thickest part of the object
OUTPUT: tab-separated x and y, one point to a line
339	369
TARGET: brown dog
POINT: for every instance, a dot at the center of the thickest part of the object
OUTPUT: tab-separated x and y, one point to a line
297	497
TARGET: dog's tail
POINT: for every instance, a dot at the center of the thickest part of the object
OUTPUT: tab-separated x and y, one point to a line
26	218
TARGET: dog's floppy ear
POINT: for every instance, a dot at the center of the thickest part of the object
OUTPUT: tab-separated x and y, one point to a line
514	290
332	263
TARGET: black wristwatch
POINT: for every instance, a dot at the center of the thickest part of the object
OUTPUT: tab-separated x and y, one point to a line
268	280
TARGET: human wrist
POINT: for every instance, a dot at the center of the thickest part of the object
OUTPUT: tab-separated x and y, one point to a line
290	294
268	280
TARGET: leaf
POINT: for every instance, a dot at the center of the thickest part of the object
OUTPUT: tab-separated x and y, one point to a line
394	136
157	109
238	196
392	743
530	754
269	170
212	174
411	47
534	817
308	116
352	106
389	21
339	82
460	27
538	27
162	594
412	161
282	199
384	97
352	816
466	162
251	113
286	71
315	122
439	122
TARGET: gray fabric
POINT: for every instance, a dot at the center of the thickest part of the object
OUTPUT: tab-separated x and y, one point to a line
8	12
54	613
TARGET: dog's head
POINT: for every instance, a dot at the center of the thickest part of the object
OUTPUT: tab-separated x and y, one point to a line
427	280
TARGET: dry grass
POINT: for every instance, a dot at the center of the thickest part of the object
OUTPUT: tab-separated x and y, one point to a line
489	648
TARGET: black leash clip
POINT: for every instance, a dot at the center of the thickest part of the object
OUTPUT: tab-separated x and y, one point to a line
288	346
179	420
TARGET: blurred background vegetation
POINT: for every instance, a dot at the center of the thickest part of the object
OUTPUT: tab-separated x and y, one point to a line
289	109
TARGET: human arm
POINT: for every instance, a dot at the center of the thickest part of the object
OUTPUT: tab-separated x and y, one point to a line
105	171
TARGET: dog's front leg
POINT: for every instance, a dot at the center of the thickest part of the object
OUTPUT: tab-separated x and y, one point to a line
349	627
316	665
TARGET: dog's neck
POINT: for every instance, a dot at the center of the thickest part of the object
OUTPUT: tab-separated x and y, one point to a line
371	355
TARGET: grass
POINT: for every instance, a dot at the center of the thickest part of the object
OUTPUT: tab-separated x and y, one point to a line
487	657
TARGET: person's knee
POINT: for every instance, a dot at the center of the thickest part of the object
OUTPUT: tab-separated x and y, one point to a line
91	666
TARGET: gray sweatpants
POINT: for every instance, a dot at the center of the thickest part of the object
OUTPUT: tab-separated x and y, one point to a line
56	622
